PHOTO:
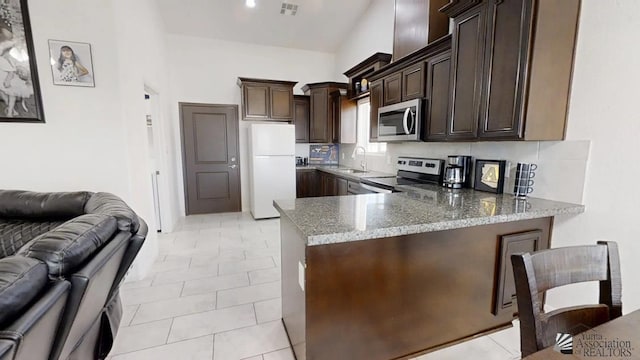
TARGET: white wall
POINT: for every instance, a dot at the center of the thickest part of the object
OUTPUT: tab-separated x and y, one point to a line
206	70
94	138
603	109
81	146
596	164
141	41
371	34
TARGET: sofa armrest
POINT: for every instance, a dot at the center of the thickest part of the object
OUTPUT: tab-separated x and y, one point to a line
135	244
71	244
19	204
109	204
21	280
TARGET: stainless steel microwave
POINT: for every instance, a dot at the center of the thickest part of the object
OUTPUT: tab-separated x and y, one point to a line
400	122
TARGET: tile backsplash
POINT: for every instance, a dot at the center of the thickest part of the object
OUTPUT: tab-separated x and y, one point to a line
560	176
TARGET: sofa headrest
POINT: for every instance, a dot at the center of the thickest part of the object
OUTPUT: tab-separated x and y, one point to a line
66	247
109	204
21	280
18	204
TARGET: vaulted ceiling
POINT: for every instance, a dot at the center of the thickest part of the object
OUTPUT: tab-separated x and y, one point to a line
318	25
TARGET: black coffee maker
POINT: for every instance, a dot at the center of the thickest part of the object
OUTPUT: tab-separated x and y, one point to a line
457	174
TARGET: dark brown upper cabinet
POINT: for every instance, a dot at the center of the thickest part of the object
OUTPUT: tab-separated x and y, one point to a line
359	85
321	115
266	99
511	68
301	105
344	118
413	82
423	74
437	93
392	88
375	102
466	73
417	23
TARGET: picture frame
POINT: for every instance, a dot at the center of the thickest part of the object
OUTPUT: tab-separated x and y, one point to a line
489	175
20	97
71	63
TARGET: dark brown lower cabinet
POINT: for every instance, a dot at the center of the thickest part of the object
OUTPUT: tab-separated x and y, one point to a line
329	184
396	297
343	186
306	183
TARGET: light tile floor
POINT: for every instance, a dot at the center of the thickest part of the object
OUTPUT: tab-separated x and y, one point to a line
214	294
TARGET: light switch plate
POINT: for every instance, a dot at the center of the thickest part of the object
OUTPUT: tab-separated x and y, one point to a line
301	275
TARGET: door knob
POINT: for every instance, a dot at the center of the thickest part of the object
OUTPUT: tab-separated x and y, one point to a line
233	166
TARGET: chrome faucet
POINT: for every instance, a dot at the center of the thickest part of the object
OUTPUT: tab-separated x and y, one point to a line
363	164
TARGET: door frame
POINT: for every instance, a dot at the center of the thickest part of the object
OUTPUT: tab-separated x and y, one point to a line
183	154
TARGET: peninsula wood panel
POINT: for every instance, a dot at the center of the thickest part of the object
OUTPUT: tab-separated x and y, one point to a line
395	297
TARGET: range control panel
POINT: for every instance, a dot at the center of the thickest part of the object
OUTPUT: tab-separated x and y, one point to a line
421	165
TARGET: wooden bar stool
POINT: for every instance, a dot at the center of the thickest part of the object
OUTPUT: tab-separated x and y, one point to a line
537	272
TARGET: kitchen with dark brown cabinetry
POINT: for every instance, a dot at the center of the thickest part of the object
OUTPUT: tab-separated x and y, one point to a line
481	81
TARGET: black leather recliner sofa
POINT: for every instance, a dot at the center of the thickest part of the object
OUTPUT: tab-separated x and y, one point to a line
62	259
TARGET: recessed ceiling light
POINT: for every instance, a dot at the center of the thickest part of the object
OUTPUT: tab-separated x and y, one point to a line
251	3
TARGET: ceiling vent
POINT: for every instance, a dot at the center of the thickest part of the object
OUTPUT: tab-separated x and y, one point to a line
289	9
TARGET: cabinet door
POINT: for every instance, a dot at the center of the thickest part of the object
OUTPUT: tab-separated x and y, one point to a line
335	116
466	72
306	183
437	108
256	101
392	89
281	102
348	121
506	58
301	118
376	100
342	186
329	185
319	126
505	289
413	82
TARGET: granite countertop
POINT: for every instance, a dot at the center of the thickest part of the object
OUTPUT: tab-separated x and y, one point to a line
345	172
421	208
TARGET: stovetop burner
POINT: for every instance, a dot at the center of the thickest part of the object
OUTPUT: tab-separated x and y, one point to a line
411	171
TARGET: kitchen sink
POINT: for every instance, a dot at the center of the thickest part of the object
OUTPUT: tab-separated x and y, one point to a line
352	171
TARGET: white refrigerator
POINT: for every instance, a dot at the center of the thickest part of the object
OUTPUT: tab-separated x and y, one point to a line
272	167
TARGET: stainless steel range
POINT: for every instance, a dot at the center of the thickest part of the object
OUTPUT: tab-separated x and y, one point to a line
411	171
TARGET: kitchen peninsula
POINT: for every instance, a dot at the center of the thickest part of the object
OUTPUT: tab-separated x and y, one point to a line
386	276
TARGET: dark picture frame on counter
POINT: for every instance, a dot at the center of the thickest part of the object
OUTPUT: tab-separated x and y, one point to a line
20	97
489	175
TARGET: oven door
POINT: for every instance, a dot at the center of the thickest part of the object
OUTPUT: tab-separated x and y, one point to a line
400	122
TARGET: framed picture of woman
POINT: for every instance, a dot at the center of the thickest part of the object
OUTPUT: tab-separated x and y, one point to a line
71	63
20	99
